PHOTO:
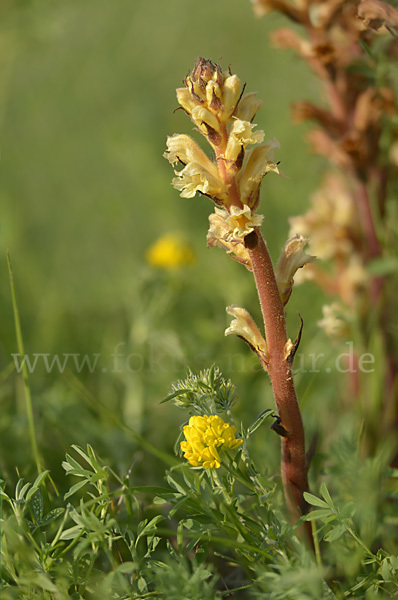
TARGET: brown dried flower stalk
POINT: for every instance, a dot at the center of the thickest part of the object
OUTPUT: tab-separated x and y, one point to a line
348	222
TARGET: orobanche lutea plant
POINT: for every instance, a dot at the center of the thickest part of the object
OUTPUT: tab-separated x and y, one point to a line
221	111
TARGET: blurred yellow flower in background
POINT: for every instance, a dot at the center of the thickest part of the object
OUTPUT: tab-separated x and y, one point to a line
170	251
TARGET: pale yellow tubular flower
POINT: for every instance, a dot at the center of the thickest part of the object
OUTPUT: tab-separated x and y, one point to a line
244	327
240	136
335	321
241	221
218	229
259	163
353	279
213	95
331	223
203	118
248	107
187	100
182	148
293	257
230	96
218	234
195	178
289	348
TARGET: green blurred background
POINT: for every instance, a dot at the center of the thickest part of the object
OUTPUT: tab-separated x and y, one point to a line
87	99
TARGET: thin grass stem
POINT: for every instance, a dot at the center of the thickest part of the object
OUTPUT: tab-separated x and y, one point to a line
24	371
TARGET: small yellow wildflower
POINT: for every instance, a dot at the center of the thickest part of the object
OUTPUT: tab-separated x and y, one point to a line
170	252
203	436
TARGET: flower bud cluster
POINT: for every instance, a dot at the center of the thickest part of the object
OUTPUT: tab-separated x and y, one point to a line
205	437
223	114
208	391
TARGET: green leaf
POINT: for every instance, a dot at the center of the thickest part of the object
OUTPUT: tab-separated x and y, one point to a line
151	489
45	582
83	454
145	528
336	532
71	533
314	501
5	497
71	463
325	493
385	570
142	587
51	516
173	483
321	514
348	510
39	479
20	490
366	48
126	567
37	506
180	537
94	462
259	420
75	488
174	395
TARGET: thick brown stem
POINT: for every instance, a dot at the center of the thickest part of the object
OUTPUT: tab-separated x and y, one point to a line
294	467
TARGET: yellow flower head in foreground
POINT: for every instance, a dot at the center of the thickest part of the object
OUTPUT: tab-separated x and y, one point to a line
170	252
203	436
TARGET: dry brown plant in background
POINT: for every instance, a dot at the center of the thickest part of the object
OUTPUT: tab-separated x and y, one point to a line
350	47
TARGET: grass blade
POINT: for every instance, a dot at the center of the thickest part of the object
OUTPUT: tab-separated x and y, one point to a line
28	397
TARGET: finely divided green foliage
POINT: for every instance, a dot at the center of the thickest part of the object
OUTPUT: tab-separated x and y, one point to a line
204	534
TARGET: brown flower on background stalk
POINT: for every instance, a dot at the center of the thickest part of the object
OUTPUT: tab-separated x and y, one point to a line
214	101
375	14
352	48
